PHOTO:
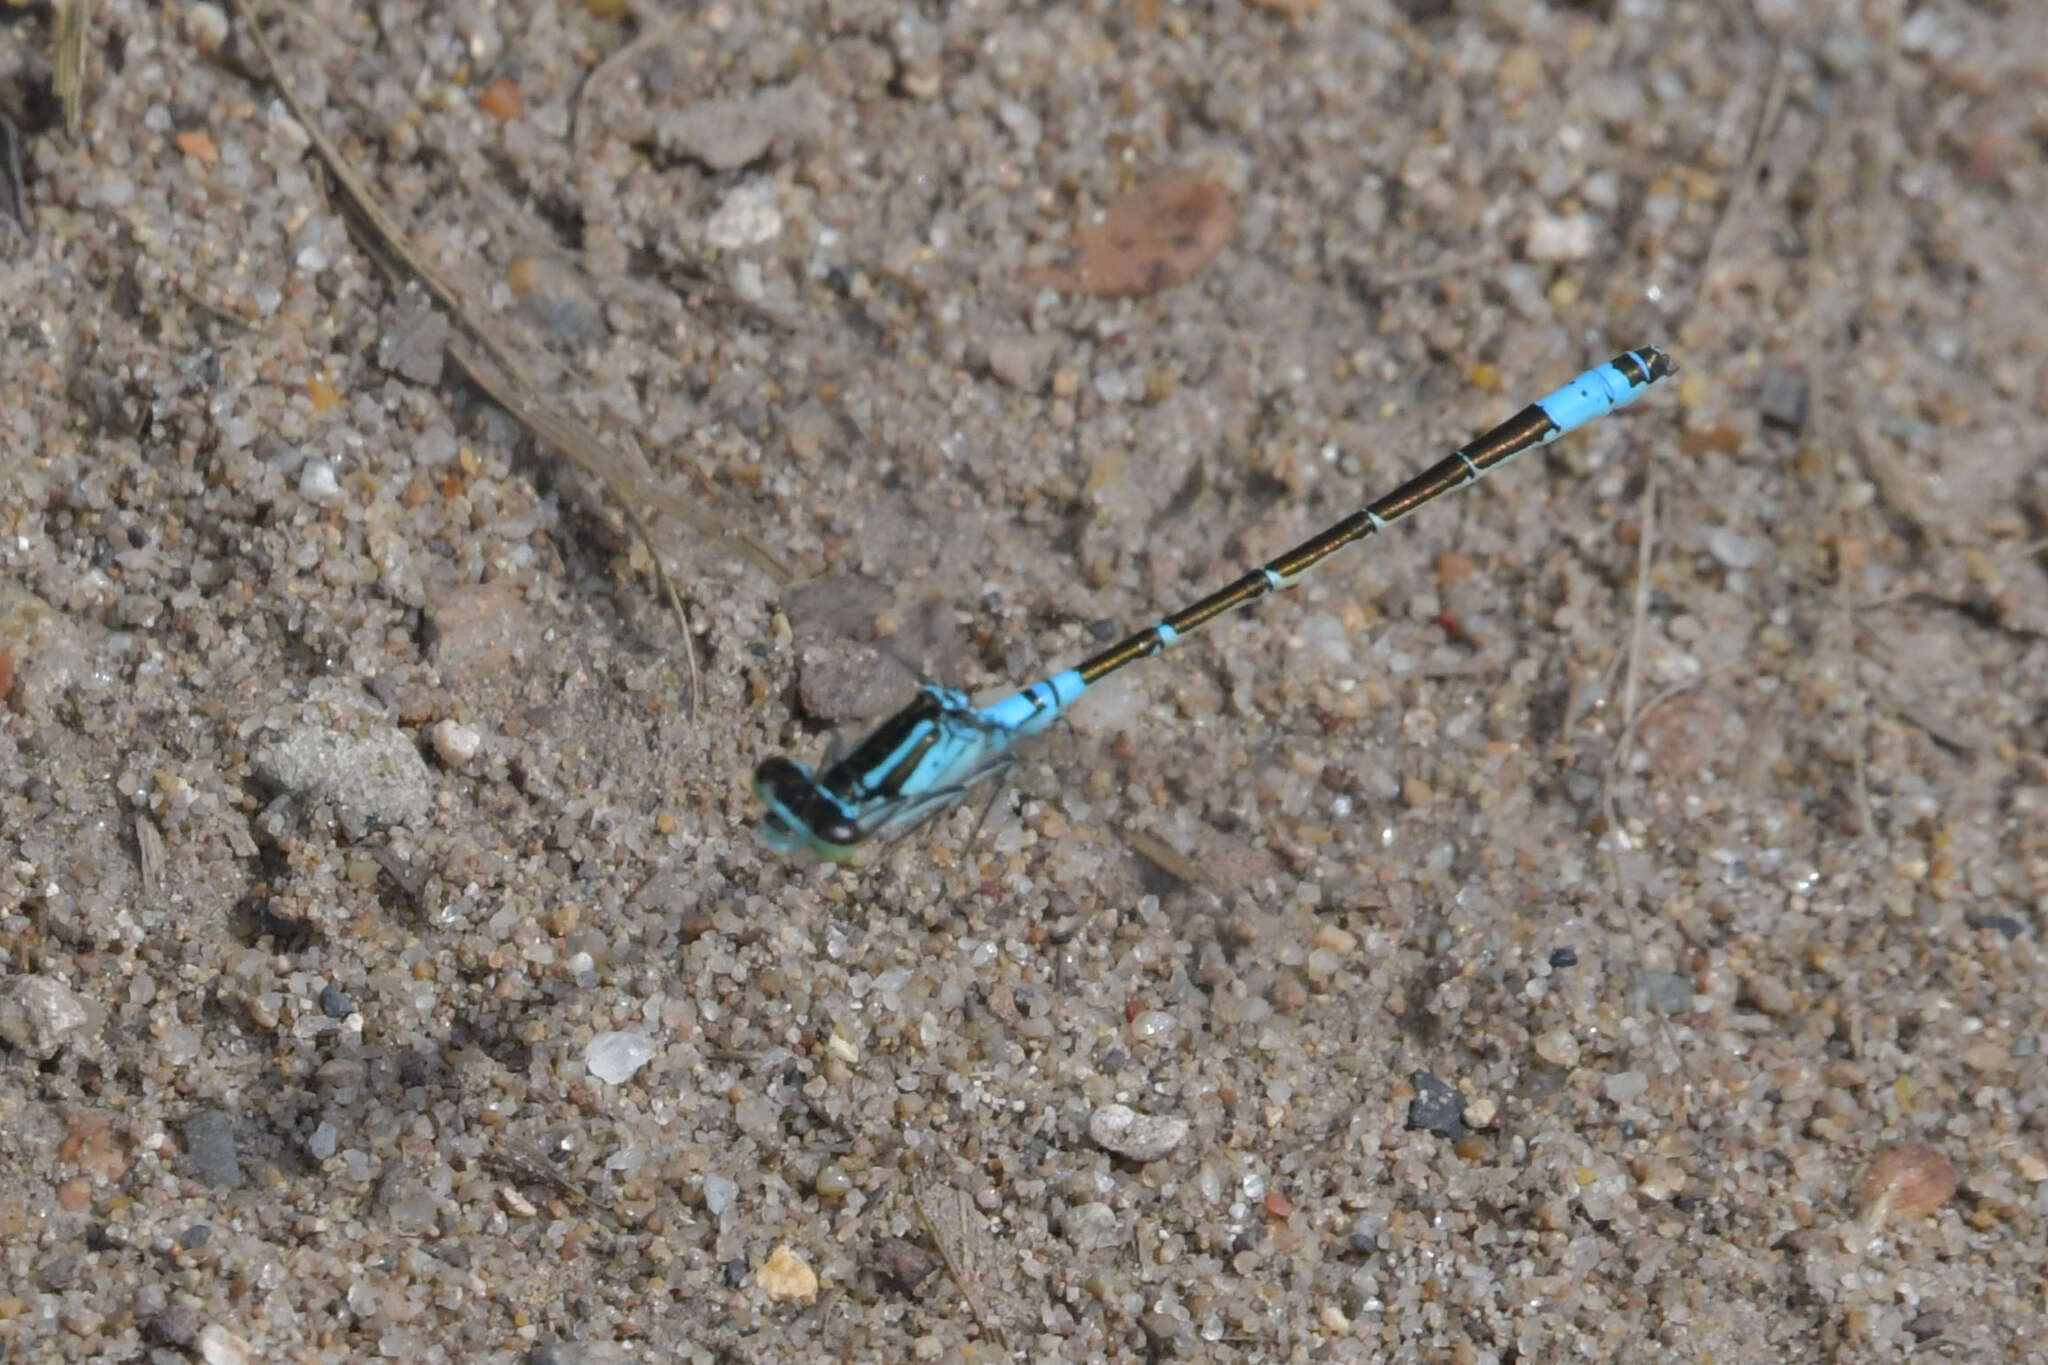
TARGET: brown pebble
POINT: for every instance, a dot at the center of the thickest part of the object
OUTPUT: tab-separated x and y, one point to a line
1911	1180
903	1263
500	99
1986	1057
1151	239
1287	994
75	1196
197	145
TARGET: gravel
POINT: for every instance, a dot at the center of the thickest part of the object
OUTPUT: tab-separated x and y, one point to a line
353	786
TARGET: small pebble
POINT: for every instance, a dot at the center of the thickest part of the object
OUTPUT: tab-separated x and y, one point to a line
414	344
1558	1047
1911	1180
718	1194
176	1326
317	482
1152	1025
1660	1179
207	25
1669	992
1624	1087
219	1346
840	680
785	1277
335	1002
1134	1136
356	761
500	99
1733	549
1154	237
747	216
2006	926
1018	361
1335	939
210	1156
1566	237
1986	1057
903	1263
1091	1226
455	743
614	1057
39	1015
1781	401
1287	994
1437	1109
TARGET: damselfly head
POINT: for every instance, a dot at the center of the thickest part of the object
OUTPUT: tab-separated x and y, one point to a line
800	814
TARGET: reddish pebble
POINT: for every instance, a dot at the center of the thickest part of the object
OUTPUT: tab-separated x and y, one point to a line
199	147
500	99
1911	1180
1151	239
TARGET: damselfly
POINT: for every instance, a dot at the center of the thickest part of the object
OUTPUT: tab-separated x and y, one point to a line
927	757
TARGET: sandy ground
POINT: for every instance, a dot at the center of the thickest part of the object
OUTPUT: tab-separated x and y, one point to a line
1600	920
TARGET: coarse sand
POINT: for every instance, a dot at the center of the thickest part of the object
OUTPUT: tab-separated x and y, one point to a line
1598	920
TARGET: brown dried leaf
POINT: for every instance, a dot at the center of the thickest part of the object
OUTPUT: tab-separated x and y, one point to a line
1151	239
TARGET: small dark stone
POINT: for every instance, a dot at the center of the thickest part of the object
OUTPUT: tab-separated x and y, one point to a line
198	1235
210	1150
2004	924
736	1272
334	1002
1782	400
551	1353
58	1274
1102	628
1799	1241
1564	957
840	680
176	1326
1437	1108
1930	1323
903	1263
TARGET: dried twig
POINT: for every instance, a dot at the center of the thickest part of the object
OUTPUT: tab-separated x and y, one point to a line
491	365
67	59
962	1237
